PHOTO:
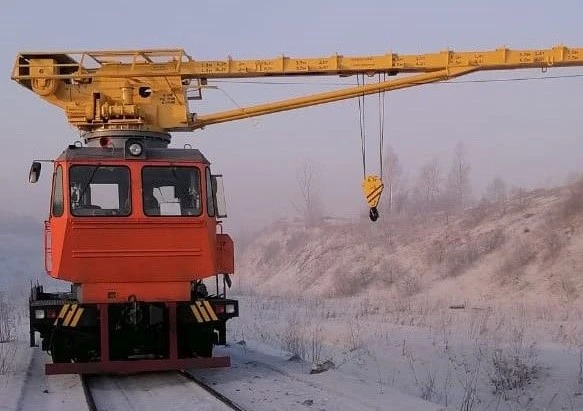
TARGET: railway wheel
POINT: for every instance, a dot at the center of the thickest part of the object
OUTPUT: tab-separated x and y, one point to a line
204	343
61	347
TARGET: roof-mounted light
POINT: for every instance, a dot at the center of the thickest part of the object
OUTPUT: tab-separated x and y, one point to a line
135	149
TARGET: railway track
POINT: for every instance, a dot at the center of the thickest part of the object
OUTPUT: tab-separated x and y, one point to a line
90	401
212	391
172	390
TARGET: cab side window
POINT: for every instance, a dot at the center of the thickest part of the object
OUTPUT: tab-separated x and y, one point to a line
58	202
210	198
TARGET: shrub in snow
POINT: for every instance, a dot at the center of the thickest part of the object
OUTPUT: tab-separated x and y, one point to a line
6	321
513	368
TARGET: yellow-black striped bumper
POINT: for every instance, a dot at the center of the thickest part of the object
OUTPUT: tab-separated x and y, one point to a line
69	315
203	312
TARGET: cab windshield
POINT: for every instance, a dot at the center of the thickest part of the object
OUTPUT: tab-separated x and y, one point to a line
100	190
171	191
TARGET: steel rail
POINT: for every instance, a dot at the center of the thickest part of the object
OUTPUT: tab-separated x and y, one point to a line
227	401
91	405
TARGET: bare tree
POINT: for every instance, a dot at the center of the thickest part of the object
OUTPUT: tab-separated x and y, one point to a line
428	184
458	179
496	191
402	196
311	207
392	172
520	195
572	177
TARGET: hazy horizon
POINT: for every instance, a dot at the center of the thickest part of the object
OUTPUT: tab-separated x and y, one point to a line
523	131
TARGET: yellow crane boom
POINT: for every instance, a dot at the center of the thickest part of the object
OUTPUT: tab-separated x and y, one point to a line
150	89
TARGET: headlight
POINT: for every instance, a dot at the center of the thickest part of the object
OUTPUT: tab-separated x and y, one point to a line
230	308
219	309
39	314
135	149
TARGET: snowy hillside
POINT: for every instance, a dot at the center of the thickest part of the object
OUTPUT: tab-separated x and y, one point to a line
479	309
531	245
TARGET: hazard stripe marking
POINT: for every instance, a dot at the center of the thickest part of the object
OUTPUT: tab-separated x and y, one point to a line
77	317
69	315
62	313
374	191
374	199
210	310
196	314
202	311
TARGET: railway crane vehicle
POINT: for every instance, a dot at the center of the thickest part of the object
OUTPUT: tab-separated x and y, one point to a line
135	226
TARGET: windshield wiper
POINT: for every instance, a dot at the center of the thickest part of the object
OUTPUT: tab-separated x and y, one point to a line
86	185
174	173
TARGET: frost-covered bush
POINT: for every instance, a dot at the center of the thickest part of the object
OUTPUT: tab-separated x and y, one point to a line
7	332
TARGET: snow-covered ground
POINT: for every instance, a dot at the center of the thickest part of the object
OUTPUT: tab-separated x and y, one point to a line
23	384
480	358
478	311
167	391
262	378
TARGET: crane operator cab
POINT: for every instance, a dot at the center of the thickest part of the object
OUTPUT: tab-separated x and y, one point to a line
135	227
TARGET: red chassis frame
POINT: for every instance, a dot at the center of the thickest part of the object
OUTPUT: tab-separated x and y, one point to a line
134	366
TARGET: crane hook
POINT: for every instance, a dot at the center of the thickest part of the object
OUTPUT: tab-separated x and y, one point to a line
373	214
372	187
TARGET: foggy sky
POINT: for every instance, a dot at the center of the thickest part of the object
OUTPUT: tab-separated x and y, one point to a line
527	132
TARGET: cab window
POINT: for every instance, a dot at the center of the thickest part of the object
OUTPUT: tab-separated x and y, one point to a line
58	206
100	190
210	198
171	191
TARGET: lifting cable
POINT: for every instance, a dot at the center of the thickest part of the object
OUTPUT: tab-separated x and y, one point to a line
362	126
372	185
381	124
